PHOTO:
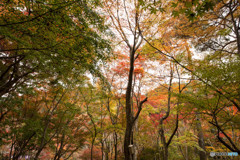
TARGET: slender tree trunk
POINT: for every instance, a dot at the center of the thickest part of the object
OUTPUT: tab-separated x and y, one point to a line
106	151
115	145
186	149
92	146
158	149
164	142
201	143
102	150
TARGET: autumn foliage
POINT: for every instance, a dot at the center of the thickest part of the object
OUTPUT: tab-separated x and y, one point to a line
126	79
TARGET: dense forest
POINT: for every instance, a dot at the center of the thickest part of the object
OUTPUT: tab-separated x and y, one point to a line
119	79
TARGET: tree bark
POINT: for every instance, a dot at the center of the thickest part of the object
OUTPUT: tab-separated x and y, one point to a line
129	123
201	143
115	145
130	118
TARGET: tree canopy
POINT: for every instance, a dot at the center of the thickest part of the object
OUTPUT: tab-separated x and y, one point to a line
126	79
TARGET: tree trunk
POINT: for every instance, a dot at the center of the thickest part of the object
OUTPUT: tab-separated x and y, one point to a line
92	145
115	145
127	141
102	149
129	119
186	149
201	143
165	153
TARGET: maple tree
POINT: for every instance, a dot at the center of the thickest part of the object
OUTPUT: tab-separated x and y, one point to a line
223	56
40	123
125	79
123	26
34	37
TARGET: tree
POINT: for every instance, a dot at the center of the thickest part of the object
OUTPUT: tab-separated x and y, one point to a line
219	66
170	88
48	40
211	33
44	45
43	121
124	26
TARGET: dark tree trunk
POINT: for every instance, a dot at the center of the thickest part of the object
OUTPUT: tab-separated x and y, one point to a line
129	122
127	140
92	145
115	145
